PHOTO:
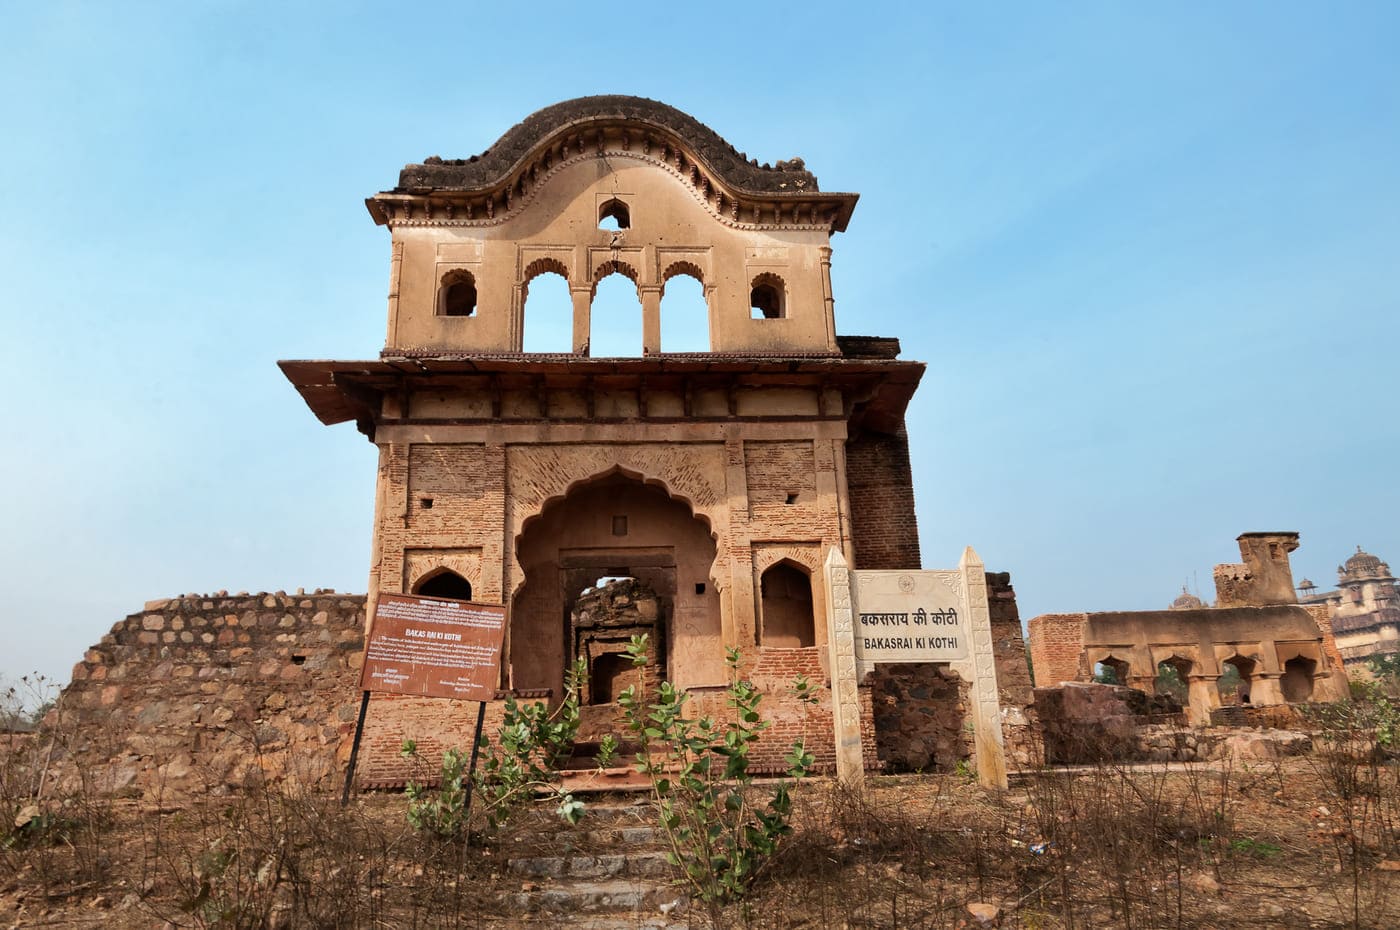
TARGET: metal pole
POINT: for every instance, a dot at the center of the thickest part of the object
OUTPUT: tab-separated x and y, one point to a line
355	749
471	769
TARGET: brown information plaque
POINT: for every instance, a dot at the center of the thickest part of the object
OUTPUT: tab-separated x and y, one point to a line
434	647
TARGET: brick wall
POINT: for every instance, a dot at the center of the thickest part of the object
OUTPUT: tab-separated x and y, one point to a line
881	490
1057	644
1008	645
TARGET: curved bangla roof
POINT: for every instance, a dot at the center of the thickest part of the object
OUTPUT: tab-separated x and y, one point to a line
493	166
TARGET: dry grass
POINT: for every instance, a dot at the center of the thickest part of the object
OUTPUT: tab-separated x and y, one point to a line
1304	843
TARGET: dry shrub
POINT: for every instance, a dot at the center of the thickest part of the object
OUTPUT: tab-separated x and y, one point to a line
278	853
1355	762
56	828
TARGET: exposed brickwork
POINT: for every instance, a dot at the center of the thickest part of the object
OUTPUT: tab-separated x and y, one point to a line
880	484
217	690
1008	645
1323	616
777	471
1057	647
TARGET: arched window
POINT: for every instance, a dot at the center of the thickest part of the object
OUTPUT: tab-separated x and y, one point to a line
457	294
615	317
1173	679
614	215
1111	671
1236	680
548	308
785	615
446	584
768	297
685	314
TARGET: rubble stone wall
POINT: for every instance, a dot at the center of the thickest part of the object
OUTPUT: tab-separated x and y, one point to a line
210	691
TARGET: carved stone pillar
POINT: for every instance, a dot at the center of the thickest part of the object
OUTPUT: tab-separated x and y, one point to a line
845	692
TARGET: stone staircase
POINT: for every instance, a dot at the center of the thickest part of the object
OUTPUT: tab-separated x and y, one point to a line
609	872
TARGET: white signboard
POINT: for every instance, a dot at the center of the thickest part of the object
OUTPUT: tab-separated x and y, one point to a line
909	616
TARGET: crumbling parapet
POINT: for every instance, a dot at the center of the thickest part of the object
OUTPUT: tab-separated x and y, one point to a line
1264	578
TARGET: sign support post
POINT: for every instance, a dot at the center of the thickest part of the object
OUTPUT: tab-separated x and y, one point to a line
471	767
355	749
431	647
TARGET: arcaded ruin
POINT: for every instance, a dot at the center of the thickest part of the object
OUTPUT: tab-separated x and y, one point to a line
1243	662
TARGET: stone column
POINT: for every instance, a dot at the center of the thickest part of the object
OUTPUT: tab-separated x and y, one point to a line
651	318
828	302
1264	689
845	692
583	306
1145	684
986	706
1203	696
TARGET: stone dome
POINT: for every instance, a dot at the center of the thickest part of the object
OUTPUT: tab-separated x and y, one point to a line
1187	601
1364	565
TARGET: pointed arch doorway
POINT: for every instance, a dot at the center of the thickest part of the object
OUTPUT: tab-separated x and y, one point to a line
615	526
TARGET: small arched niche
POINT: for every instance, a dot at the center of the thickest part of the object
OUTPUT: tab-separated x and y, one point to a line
767	297
614	215
457	294
786	619
445	583
1297	679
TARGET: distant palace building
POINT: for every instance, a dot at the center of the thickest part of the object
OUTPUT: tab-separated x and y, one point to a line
1365	610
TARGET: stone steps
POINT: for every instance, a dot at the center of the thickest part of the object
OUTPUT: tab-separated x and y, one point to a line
650	864
610	872
571	897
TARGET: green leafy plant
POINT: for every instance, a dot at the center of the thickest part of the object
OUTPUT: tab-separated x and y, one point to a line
521	764
1249	846
720	828
607	750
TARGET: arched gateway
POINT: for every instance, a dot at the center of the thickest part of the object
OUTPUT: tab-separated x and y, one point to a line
719	481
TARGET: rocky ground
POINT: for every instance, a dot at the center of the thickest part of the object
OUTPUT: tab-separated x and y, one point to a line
1298	843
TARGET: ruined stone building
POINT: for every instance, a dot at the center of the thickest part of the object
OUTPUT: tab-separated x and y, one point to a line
1364	610
718	479
691	497
1279	652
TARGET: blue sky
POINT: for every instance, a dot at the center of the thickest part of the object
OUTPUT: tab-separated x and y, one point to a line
1149	252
